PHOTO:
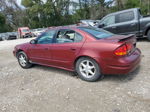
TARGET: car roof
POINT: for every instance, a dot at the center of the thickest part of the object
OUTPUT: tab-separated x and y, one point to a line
67	27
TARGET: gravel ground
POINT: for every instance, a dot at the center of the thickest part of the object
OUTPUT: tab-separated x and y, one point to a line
45	89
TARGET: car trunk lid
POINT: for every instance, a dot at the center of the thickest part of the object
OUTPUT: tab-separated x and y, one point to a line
128	40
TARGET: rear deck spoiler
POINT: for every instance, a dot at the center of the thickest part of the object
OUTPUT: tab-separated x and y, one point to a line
127	37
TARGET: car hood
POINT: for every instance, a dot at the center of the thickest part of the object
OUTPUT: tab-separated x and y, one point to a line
23	45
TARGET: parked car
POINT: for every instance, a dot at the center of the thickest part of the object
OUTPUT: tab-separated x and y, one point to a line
91	52
3	36
38	32
24	32
92	23
10	35
127	22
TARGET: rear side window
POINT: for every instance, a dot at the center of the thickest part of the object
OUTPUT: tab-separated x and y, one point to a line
78	37
68	36
96	32
125	17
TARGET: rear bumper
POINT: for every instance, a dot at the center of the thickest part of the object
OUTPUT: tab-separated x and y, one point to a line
124	65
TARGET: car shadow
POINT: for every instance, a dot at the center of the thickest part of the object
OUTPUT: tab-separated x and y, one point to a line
55	70
122	77
116	78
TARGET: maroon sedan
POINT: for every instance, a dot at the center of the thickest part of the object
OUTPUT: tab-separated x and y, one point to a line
90	52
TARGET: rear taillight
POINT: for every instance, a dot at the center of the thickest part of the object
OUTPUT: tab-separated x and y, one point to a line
123	50
129	46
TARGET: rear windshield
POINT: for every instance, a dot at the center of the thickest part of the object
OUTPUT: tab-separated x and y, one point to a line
96	32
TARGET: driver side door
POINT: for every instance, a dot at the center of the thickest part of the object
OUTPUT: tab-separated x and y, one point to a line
41	51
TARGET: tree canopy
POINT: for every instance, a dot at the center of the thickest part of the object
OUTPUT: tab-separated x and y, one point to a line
46	13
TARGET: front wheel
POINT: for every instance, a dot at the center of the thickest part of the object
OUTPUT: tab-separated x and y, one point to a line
23	60
88	69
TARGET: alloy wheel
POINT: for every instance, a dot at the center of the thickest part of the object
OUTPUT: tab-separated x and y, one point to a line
22	60
87	68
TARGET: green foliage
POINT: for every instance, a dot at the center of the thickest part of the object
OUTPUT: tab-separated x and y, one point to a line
143	4
132	3
2	20
27	3
3	26
48	14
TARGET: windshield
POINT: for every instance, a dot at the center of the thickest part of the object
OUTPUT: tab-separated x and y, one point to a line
96	32
25	30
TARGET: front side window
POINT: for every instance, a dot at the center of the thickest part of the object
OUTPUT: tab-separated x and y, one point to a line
109	20
46	38
125	17
68	36
96	32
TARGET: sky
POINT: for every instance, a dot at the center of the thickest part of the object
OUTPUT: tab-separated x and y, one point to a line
19	2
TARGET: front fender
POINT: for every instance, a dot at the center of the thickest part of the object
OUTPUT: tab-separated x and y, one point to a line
20	48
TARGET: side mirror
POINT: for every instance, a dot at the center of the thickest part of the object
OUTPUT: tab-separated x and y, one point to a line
33	41
101	25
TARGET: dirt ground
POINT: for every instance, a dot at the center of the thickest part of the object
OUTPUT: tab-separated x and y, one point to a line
45	89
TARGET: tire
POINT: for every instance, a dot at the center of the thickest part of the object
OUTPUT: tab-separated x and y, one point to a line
23	60
88	69
148	35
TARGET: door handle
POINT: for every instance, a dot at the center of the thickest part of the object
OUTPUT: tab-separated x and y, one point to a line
73	49
46	48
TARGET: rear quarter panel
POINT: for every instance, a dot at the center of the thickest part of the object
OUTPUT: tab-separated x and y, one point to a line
102	52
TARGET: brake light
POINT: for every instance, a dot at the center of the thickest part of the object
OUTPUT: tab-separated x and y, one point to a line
123	50
129	46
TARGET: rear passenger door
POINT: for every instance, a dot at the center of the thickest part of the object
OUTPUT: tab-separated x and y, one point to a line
126	23
66	46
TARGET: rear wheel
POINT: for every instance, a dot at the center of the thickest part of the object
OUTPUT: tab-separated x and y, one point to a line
23	60
148	35
88	69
